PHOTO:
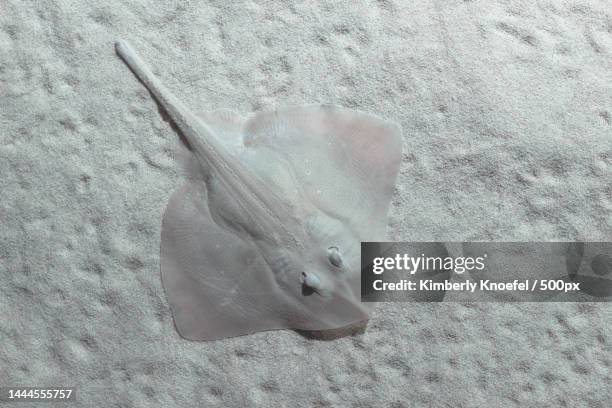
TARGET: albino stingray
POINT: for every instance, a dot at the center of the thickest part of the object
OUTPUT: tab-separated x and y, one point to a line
266	234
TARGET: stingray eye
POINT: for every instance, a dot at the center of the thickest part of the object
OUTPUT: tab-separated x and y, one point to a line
334	256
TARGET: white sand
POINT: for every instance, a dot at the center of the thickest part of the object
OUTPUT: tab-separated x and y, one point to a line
507	115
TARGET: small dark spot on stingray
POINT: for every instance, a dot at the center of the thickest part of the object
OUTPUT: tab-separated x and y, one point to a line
216	391
605	115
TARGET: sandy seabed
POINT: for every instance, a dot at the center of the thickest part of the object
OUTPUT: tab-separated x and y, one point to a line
506	110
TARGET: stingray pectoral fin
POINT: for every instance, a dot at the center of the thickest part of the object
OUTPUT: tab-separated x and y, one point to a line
345	161
216	282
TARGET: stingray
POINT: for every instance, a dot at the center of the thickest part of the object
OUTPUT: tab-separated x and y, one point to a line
265	232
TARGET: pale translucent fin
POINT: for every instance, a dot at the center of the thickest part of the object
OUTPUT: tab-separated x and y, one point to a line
218	285
346	161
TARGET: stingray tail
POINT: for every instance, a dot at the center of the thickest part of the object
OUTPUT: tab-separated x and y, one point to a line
251	194
191	127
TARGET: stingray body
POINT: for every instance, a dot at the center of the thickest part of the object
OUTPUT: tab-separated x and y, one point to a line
266	233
